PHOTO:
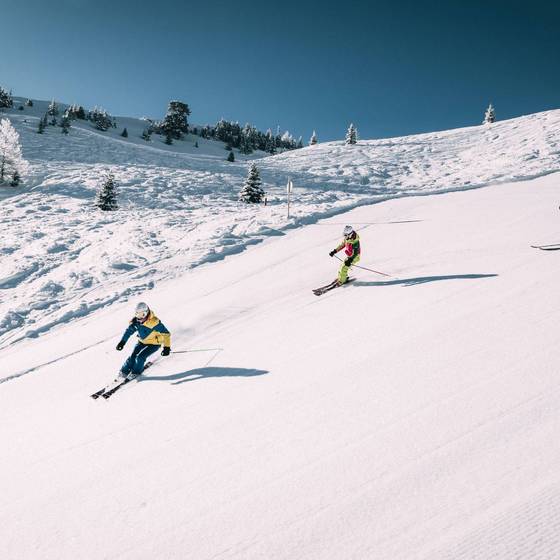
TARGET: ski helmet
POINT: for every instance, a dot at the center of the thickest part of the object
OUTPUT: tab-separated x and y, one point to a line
348	231
142	311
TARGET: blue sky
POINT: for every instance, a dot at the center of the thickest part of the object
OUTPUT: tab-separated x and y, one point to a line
391	67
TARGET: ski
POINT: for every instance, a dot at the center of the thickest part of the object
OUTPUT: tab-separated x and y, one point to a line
331	286
116	384
553	247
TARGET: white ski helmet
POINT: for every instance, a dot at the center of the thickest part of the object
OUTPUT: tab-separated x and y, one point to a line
348	231
142	311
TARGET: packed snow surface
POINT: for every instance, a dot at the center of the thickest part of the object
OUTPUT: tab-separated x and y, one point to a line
413	417
62	258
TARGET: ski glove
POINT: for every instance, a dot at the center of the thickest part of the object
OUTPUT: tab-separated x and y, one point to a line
120	345
332	253
165	351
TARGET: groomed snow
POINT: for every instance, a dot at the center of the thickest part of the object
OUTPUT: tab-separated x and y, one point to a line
406	418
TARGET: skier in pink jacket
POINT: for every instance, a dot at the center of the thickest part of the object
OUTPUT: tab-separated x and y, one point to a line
351	246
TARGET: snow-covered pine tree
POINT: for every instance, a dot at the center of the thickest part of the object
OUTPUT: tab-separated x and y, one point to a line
106	198
351	134
196	144
124	133
146	135
270	144
231	156
65	124
313	139
12	163
28	103
175	121
101	119
490	115
76	112
168	138
53	111
252	191
6	100
287	141
41	127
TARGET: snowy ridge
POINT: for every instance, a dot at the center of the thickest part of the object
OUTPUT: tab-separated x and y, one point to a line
61	259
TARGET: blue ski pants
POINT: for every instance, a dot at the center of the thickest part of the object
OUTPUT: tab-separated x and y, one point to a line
135	362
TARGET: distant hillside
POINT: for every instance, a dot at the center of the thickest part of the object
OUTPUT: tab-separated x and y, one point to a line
63	258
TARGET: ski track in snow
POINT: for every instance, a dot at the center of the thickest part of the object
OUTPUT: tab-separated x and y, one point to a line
62	259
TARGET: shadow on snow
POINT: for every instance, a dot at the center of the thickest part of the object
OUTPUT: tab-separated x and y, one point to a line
424	280
205	372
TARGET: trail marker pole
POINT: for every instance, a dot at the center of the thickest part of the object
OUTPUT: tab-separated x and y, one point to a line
289	189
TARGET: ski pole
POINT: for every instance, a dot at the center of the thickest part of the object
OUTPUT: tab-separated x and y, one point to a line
364	268
197	350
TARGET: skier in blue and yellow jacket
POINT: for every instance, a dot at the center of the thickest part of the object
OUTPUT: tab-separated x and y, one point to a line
152	334
351	246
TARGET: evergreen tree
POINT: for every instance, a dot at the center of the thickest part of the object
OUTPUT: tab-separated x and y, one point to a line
65	124
11	159
146	134
231	156
45	121
196	144
41	128
16	179
490	115
107	194
252	191
53	111
168	138
101	119
6	100
28	103
20	108
270	144
124	133
175	121
351	135
53	121
76	112
313	139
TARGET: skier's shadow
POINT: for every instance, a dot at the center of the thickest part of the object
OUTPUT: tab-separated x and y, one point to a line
205	372
424	280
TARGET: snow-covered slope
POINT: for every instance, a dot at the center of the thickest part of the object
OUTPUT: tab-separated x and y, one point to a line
63	259
407	418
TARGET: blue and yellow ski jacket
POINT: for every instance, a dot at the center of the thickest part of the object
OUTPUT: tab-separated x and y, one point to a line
151	331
